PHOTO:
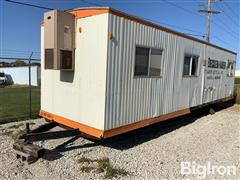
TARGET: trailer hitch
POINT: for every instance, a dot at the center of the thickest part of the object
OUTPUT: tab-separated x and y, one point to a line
29	152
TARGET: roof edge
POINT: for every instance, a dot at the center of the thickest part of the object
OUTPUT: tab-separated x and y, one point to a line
91	11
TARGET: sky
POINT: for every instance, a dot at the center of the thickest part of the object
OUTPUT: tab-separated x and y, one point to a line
20	25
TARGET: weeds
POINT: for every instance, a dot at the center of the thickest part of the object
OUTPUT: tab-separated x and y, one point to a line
114	172
15	126
85	160
87	169
7	133
102	165
13	134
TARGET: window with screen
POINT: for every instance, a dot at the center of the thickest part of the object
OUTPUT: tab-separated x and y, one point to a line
190	66
147	62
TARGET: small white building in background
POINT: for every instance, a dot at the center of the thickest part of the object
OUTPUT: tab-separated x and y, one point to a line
237	73
20	75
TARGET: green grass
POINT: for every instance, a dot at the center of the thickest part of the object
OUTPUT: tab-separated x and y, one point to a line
237	80
14	103
103	166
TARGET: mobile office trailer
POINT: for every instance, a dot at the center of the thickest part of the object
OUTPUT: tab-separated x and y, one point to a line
107	72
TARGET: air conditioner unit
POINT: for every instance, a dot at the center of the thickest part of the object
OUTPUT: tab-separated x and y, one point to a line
59	40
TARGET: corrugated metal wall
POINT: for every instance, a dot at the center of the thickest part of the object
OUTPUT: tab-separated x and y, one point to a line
130	99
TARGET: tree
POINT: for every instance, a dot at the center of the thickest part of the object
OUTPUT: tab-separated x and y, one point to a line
19	63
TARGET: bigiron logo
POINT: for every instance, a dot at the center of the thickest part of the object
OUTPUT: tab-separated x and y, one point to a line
202	170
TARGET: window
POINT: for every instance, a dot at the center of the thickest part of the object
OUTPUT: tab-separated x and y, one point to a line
141	61
147	62
190	67
230	69
194	65
155	62
187	64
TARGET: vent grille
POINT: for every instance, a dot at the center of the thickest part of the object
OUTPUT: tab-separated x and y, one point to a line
48	58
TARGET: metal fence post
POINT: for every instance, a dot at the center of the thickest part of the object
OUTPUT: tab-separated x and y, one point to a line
30	88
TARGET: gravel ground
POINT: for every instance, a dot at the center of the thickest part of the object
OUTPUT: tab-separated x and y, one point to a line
155	152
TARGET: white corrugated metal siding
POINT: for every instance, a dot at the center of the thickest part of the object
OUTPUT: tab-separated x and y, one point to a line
130	99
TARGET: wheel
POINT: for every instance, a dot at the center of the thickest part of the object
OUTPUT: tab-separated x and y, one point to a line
211	111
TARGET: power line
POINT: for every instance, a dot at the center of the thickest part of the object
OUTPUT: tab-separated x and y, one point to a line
226	14
91	3
95	4
158	22
223	41
170	25
223	24
224	27
199	34
182	8
209	13
231	10
230	30
31	5
194	13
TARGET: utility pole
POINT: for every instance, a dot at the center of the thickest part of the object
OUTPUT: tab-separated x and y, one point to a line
209	12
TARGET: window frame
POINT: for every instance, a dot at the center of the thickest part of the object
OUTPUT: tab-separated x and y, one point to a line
135	61
149	62
190	68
